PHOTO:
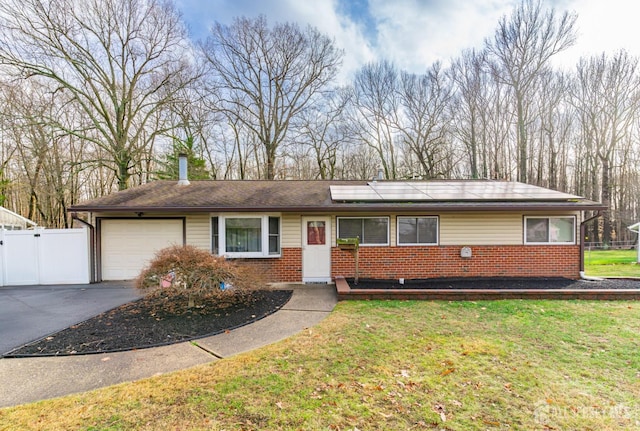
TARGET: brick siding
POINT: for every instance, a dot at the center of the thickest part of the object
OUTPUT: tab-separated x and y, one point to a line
433	262
445	261
287	268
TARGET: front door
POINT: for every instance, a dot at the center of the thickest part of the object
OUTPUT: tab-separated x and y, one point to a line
316	249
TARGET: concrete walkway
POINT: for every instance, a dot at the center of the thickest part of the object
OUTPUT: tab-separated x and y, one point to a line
26	380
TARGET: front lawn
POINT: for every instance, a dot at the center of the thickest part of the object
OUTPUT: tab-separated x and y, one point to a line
611	263
394	365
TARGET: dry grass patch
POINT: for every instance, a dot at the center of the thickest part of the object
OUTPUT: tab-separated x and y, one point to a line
381	365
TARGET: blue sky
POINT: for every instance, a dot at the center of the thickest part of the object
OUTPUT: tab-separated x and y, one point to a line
415	33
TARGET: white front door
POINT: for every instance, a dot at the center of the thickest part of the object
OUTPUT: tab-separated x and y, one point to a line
316	249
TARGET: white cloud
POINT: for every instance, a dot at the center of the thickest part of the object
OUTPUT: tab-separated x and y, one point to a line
322	14
348	36
415	33
604	26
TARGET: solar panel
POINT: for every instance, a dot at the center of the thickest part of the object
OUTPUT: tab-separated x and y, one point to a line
353	193
394	191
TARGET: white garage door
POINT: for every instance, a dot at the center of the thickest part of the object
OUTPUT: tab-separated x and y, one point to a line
128	245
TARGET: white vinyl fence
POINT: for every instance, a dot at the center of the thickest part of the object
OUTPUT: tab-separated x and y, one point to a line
44	256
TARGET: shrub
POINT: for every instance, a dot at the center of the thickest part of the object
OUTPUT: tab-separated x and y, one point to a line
177	271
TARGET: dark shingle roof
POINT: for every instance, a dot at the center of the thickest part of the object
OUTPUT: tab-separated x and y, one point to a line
314	196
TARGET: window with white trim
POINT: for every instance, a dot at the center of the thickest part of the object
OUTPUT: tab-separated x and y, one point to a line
417	230
245	236
549	230
370	230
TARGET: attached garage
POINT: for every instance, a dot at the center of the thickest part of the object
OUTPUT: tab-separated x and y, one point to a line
127	245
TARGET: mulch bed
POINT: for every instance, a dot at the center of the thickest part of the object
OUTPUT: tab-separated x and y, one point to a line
155	321
495	283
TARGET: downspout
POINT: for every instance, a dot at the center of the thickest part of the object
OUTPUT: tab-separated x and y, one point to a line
92	270
582	233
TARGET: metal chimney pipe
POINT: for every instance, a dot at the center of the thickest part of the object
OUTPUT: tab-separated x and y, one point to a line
182	170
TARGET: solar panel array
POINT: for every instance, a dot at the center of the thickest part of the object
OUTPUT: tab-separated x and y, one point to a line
394	191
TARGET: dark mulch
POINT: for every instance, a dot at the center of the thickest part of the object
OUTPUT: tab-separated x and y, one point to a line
154	321
495	283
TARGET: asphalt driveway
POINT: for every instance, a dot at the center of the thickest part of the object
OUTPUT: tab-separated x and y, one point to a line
28	313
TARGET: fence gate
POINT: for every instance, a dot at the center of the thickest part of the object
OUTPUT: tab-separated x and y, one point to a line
44	256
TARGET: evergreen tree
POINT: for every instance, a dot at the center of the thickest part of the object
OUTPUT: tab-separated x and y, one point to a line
196	166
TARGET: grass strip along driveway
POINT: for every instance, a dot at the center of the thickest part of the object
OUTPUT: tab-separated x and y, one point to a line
394	365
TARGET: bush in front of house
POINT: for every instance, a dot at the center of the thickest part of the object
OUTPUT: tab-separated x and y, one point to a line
195	274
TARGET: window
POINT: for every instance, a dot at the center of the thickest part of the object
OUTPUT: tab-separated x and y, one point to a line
10	227
417	230
546	230
245	236
215	236
316	233
274	235
370	230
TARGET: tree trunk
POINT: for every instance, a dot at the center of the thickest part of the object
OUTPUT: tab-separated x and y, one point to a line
474	150
123	174
522	141
606	200
270	171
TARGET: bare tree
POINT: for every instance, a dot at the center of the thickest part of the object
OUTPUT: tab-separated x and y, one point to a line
195	122
357	162
608	98
521	49
468	103
374	116
424	122
47	163
554	129
322	129
117	58
268	76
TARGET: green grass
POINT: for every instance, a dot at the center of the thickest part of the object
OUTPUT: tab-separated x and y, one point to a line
611	263
394	365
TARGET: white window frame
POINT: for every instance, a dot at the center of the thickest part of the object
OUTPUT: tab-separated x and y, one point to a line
361	218
400	244
548	242
264	235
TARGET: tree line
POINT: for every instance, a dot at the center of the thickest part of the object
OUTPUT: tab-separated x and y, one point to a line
102	95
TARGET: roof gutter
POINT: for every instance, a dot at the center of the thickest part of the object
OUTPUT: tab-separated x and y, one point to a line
345	207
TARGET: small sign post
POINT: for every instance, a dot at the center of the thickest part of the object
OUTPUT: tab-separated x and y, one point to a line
352	245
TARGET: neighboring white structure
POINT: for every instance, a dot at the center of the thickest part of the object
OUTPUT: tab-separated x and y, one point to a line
31	255
12	221
636	228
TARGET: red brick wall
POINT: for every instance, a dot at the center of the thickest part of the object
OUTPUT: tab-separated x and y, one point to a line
445	261
287	268
433	262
